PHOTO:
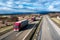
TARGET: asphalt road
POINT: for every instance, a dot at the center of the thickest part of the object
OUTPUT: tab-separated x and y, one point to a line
19	35
48	32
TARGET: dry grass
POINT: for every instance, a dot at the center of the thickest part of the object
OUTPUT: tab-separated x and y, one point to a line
56	21
6	28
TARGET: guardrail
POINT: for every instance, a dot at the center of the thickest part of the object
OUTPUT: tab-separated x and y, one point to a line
38	29
31	33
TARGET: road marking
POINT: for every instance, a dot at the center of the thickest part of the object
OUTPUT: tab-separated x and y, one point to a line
54	25
37	31
5	35
48	28
34	39
18	33
28	33
36	34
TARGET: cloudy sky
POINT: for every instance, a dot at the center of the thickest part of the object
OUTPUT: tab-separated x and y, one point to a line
29	5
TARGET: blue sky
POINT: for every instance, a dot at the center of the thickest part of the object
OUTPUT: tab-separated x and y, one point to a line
29	5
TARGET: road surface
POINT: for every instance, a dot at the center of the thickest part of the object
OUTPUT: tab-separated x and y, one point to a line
18	35
49	31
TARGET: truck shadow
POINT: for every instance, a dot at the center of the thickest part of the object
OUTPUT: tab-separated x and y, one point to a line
29	26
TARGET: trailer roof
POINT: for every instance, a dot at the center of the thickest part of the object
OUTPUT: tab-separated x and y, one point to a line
20	21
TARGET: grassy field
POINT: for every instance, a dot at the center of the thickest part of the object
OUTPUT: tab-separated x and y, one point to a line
5	30
56	21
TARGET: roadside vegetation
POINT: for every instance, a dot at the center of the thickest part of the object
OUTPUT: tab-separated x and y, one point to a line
55	17
5	30
57	21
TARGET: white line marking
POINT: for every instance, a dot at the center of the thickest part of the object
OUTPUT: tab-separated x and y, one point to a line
48	28
34	39
54	25
18	33
28	33
36	34
5	35
37	31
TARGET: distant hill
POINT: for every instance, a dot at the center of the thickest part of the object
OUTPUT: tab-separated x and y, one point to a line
17	13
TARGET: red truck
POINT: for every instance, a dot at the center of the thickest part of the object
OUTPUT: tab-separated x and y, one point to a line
20	24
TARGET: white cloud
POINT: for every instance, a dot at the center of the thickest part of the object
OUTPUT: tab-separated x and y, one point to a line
25	10
5	8
26	0
9	5
51	7
30	7
17	2
26	3
55	2
9	2
20	6
2	4
54	6
36	5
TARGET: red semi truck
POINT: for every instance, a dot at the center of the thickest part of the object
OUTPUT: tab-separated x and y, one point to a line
20	24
